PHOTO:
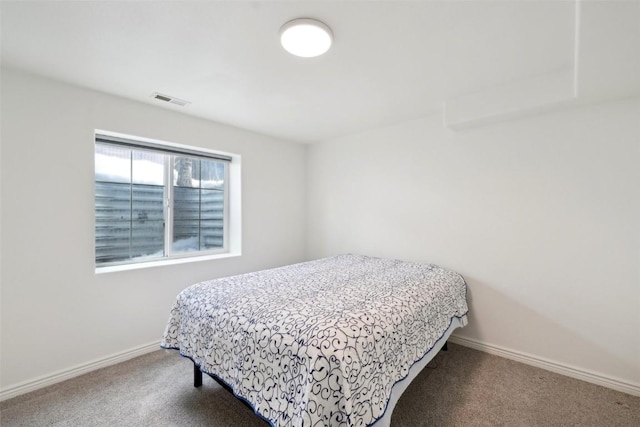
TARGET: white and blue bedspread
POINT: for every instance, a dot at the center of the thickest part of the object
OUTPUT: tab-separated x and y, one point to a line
320	342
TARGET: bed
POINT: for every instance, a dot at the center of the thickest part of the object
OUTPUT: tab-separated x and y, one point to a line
331	342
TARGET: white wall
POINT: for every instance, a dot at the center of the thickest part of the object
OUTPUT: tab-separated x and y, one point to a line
56	312
540	215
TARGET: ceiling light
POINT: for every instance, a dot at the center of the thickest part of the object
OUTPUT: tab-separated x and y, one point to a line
306	37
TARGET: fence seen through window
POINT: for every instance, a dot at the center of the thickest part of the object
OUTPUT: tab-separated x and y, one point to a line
151	204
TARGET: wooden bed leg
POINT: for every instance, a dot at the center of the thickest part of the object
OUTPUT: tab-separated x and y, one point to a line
444	347
197	376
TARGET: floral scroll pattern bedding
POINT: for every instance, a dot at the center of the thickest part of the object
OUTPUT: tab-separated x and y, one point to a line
317	343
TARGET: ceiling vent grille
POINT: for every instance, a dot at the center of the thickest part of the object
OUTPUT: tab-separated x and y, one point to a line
170	99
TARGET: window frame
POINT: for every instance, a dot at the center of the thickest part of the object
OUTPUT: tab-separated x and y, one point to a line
231	230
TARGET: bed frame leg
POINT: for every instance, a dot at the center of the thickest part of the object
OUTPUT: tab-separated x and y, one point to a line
444	347
197	376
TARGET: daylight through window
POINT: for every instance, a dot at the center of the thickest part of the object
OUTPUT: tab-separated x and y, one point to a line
154	201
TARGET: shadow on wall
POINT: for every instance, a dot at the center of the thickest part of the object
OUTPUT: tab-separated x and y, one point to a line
535	334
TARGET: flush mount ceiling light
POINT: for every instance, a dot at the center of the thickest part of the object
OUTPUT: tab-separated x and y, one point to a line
306	37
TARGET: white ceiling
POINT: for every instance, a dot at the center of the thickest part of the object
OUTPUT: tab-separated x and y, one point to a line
391	60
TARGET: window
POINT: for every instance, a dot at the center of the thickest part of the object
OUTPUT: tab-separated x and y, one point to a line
155	201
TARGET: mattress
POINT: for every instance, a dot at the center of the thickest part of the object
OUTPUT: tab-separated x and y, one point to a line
321	342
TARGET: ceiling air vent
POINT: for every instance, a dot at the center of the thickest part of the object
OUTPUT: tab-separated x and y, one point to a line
170	99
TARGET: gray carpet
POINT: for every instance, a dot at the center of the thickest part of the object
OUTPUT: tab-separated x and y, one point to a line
461	387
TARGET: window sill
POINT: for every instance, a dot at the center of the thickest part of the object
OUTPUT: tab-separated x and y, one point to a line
159	263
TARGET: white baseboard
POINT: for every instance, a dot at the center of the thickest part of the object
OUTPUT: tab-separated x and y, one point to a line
65	374
559	368
527	359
